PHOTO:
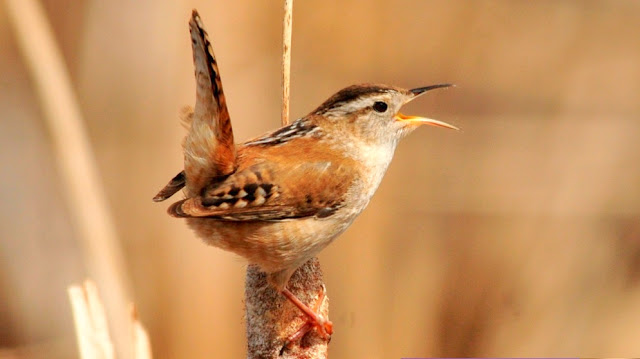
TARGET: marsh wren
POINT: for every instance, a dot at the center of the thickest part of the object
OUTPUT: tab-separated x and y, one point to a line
280	198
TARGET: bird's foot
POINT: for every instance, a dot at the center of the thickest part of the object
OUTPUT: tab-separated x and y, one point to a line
323	325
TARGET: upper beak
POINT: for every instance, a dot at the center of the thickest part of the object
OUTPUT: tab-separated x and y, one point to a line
423	120
421	90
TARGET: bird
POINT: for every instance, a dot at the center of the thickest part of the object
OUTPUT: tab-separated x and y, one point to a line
280	198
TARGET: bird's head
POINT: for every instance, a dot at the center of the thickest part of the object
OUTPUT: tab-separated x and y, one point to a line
372	112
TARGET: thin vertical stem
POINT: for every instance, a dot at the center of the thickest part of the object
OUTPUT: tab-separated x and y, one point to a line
286	59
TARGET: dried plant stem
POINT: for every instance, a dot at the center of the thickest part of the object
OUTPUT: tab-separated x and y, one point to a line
77	167
90	320
92	330
271	318
286	59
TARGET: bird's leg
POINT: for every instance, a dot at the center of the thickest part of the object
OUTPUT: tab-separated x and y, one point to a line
324	326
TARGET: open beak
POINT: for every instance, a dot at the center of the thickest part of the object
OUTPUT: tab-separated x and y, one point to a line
416	120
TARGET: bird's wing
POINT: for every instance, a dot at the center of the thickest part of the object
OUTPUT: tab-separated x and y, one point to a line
276	186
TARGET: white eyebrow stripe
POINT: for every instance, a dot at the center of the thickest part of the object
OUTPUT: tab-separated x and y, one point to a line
357	104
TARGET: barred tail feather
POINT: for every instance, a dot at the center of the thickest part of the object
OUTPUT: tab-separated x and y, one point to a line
209	149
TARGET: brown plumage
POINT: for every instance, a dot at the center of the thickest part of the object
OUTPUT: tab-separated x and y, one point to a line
266	186
280	198
209	147
176	184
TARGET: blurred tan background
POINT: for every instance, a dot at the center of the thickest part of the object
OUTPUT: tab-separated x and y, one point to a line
517	236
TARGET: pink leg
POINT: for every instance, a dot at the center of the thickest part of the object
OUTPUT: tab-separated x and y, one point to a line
324	326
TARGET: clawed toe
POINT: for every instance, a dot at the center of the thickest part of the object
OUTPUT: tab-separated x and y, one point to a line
323	326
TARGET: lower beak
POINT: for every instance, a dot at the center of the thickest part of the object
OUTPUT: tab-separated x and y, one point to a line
415	120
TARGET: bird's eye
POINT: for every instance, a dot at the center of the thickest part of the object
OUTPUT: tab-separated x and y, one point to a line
380	106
